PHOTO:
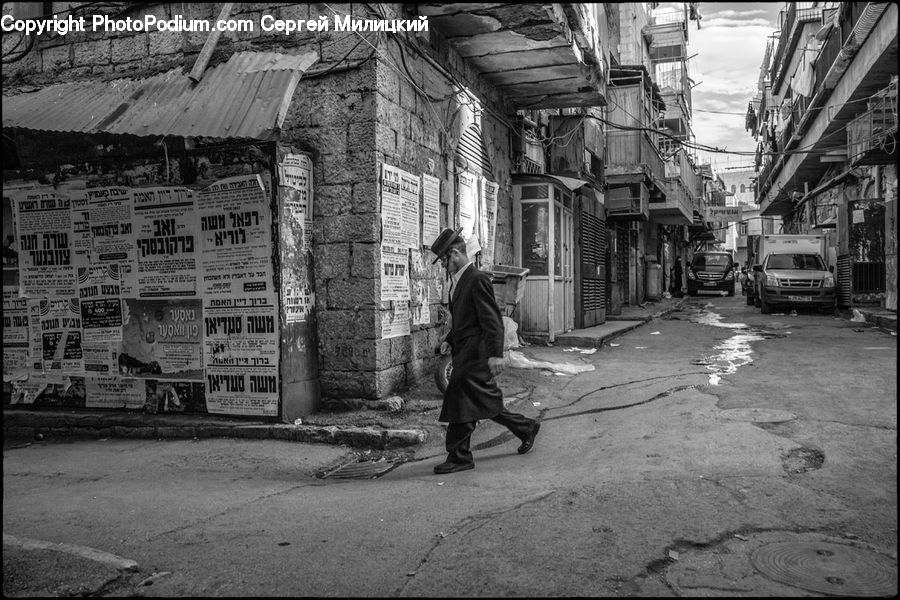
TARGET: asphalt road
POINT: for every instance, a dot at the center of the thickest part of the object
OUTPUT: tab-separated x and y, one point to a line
645	480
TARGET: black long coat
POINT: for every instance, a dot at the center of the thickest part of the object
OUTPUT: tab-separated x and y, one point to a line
476	333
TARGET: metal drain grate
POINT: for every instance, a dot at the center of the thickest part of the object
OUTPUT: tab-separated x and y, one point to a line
368	469
828	568
758	415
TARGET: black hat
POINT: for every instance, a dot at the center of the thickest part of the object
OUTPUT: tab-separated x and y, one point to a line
443	241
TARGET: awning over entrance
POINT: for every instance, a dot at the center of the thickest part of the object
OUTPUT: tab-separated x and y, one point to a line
245	97
572	184
538	55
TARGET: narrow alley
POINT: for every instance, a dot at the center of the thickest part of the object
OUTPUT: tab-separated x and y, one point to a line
659	473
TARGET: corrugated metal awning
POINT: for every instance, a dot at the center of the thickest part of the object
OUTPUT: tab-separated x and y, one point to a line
245	97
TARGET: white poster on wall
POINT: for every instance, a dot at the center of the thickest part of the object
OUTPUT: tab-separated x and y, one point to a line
166	224
101	357
236	238
100	296
467	196
103	391
391	207
113	239
45	235
409	194
295	180
81	230
394	273
395	322
15	334
241	348
296	198
488	220
60	324
431	207
419	306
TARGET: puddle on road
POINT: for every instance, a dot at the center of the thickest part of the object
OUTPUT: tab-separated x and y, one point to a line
736	351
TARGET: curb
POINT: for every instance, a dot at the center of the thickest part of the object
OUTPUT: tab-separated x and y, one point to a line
636	321
35	424
105	558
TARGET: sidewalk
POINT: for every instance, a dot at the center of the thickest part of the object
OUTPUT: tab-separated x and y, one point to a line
880	317
362	427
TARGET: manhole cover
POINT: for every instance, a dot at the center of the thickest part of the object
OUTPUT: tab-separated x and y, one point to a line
369	469
758	415
828	568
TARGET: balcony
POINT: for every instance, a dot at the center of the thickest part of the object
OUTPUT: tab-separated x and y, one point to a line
667	34
793	18
681	167
845	75
631	156
629	202
538	56
677	208
872	136
677	118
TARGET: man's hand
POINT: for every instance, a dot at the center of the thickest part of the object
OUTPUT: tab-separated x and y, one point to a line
445	348
496	365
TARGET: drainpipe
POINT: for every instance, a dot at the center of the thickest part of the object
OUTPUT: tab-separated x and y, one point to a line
209	45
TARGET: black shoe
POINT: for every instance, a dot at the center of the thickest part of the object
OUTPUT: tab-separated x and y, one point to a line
528	442
452	467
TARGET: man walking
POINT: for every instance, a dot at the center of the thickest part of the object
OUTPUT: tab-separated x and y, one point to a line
476	344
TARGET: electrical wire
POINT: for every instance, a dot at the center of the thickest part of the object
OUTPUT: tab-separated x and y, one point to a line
342	59
398	71
744	114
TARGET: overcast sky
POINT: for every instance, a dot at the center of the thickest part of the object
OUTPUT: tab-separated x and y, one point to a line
729	45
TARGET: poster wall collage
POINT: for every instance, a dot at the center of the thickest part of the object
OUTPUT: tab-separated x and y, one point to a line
148	293
405	233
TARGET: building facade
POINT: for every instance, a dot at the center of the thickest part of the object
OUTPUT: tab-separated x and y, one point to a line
825	121
378	119
266	196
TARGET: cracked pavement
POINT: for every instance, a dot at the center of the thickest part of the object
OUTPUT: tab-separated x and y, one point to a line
638	484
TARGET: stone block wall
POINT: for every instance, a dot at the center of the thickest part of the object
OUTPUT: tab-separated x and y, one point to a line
353	123
109	55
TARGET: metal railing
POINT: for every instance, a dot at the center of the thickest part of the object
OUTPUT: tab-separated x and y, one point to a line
792	19
786	18
661	17
872	128
677	197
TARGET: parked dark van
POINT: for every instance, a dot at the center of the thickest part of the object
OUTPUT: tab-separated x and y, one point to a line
711	272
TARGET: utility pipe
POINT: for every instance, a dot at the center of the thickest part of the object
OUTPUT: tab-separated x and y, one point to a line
209	45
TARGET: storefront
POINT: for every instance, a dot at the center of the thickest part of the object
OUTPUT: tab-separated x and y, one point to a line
559	235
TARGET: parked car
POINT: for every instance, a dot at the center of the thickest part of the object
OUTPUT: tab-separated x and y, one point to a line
711	272
793	273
